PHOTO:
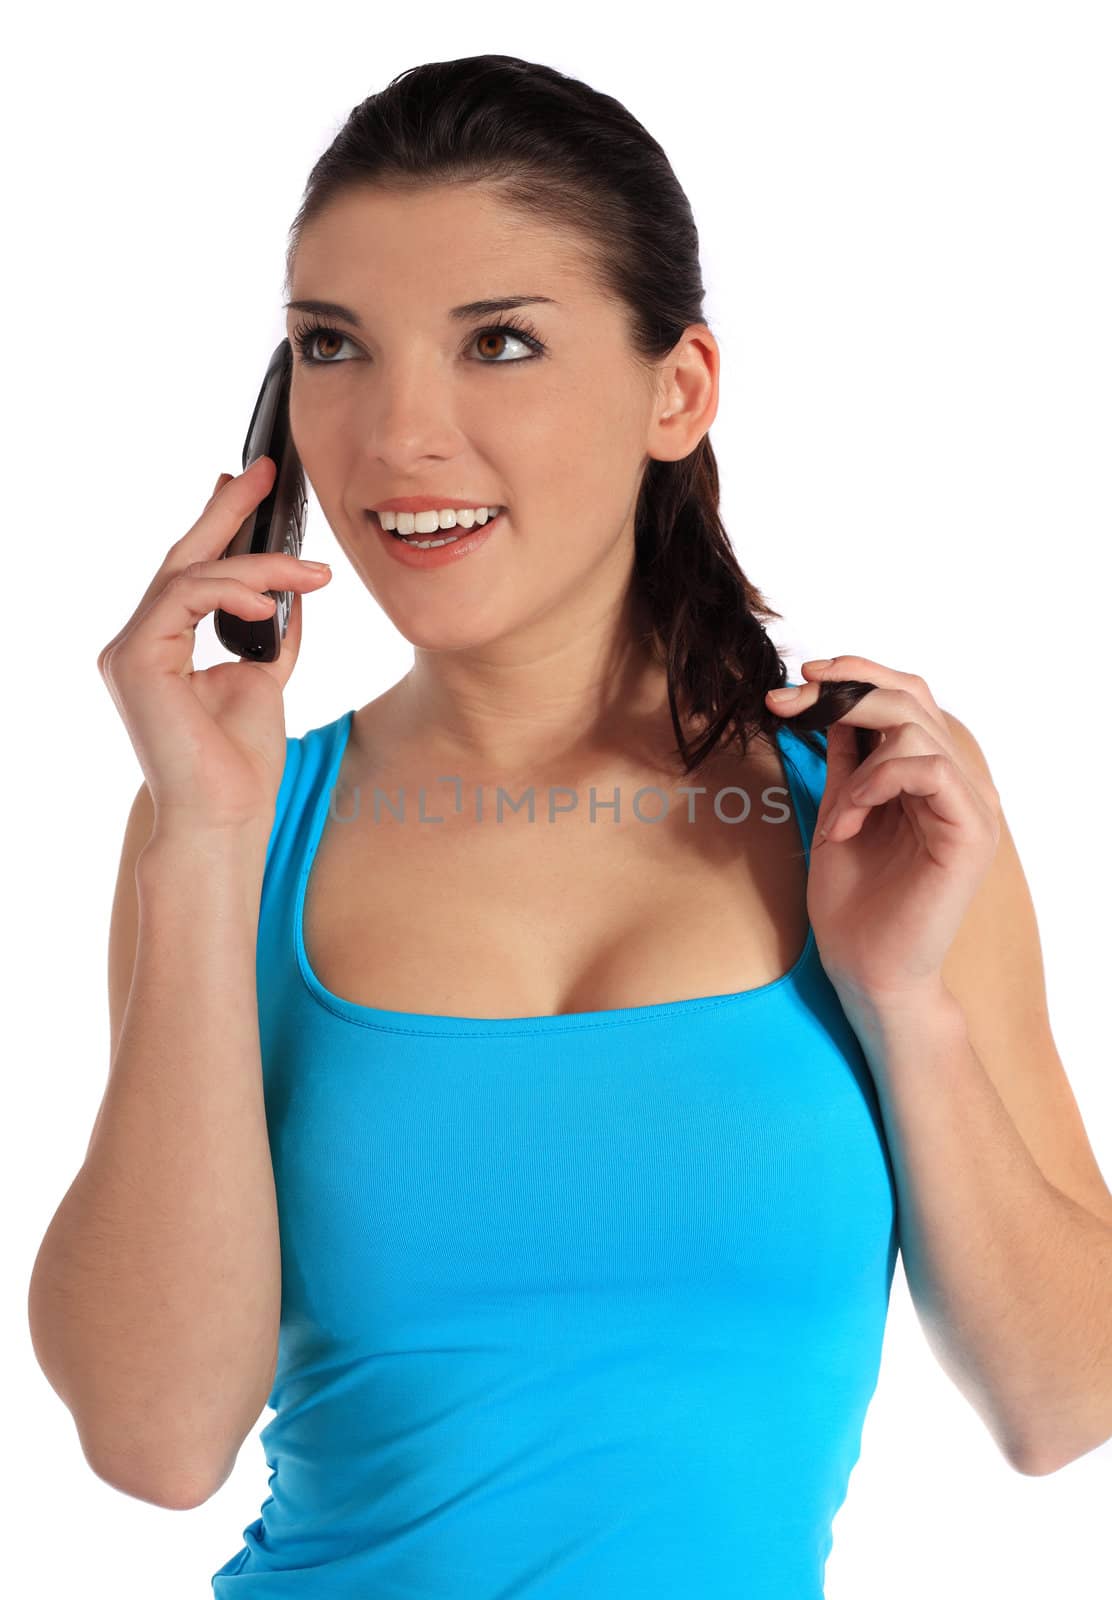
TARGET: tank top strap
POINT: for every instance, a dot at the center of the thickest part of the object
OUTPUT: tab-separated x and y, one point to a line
309	760
302	796
806	773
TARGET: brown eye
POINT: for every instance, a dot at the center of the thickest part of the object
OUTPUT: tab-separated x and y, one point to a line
485	339
519	336
325	338
314	336
308	338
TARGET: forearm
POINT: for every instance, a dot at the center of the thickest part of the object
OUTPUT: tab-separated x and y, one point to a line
1011	1279
156	1293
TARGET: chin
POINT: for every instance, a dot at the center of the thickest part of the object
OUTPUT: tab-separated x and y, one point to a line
455	632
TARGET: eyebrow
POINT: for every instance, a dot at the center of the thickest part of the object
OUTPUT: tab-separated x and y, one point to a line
464	313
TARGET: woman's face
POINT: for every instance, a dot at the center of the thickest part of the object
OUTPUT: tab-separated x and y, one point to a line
415	401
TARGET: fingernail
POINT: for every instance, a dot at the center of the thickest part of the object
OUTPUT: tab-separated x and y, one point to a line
317	566
831	820
817	666
782	694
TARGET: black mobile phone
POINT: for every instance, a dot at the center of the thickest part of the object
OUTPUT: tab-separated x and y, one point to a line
278	521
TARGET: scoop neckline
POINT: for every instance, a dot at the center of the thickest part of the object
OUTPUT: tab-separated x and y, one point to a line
385	1020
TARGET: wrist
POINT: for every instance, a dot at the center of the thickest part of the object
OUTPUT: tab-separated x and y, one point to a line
176	843
927	1005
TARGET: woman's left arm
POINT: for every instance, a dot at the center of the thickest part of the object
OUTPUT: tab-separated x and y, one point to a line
926	930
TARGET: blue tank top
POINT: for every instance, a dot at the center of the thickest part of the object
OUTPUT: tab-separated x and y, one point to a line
577	1305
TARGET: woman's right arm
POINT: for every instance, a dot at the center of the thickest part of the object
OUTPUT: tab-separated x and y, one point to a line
155	1298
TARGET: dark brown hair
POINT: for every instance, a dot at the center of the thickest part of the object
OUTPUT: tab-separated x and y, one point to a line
574	159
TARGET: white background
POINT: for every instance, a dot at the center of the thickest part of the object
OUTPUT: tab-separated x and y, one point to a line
905	235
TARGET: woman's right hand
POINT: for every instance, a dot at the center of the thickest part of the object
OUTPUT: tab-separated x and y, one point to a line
211	744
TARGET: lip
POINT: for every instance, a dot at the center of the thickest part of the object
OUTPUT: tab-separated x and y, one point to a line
409	556
420	502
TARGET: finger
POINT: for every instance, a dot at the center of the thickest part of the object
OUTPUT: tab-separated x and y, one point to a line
227	508
162	641
844	756
880	711
801	697
161	647
861	669
883	712
260	573
281	668
947	811
291	645
148	671
229	505
845	771
842	752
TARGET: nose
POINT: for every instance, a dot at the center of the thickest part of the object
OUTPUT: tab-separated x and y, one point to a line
410	421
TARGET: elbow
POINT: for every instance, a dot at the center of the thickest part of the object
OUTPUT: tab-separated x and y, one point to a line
1040	1464
1035	1460
179	1491
1036	1466
1031	1466
1060	1448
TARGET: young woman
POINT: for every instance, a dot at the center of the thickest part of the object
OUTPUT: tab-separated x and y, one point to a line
484	1096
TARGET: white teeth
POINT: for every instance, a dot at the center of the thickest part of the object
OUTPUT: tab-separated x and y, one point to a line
406	522
431	544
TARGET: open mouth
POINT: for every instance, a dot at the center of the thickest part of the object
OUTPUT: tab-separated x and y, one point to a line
443	536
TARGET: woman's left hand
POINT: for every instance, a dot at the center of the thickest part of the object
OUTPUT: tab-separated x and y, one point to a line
910	833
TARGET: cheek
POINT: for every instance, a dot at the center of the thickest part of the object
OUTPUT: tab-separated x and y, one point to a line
323	426
578	546
556	439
